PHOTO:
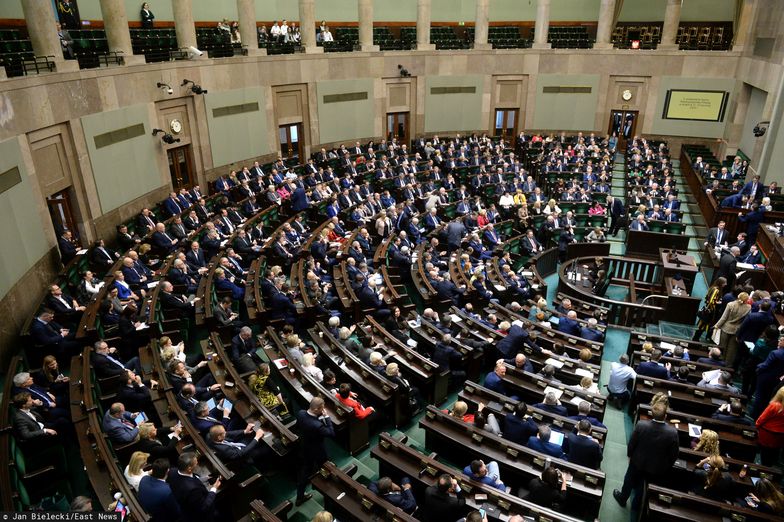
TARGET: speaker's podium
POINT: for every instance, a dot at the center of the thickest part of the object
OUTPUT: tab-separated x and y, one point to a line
678	273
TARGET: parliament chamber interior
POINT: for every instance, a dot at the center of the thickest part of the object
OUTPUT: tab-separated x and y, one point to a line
352	260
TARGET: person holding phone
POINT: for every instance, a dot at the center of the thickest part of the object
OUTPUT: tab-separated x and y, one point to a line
315	427
550	489
443	500
236	449
196	501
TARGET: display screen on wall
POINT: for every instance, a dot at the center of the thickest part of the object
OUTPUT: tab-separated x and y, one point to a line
695	105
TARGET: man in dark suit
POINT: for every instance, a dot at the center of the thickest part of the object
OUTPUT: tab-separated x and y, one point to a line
64	306
314	427
654	368
281	304
162	240
517	427
584	412
125	239
235	450
299	200
448	290
103	257
541	443
443	500
583	449
652	450
106	362
551	405
569	324
243	351
52	337
67	247
752	257
145	222
155	494
172	205
591	332
531	244
717	235
753	220
515	341
28	425
171	301
195	500
617	213
727	265
368	299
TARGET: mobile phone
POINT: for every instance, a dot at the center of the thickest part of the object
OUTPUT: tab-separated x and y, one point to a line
482	513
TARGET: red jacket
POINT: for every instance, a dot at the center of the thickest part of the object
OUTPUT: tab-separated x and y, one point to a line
359	411
770	426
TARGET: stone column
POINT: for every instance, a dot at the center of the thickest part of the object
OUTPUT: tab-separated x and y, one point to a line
605	28
423	26
183	23
41	26
307	26
365	10
672	17
246	12
743	31
542	25
118	36
480	25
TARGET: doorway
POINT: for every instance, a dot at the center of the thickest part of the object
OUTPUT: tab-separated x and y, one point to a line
60	211
181	167
624	125
506	123
397	127
290	140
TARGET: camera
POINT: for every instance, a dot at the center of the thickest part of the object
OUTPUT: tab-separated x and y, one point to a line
760	128
194	53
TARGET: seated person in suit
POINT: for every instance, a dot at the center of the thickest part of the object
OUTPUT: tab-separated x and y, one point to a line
591	332
203	418
162	240
106	361
29	426
584	412
552	405
518	426
399	496
714	357
531	244
639	224
584	449
541	443
569	324
68	247
51	337
236	449
172	301
732	412
223	284
119	424
654	368
752	257
64	305
724	383
494	380
550	490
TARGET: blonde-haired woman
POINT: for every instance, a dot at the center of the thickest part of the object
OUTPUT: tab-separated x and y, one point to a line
323	516
712	481
708	442
309	366
552	208
134	471
728	325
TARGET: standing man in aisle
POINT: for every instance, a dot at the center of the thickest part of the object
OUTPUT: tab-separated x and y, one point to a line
653	449
315	426
617	213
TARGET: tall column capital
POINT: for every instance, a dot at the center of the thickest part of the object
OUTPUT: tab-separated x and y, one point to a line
742	37
542	25
605	27
365	10
481	24
307	25
672	18
423	26
246	14
183	23
42	28
118	36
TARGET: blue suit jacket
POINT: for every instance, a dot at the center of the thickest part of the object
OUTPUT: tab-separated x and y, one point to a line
493	382
299	200
157	499
753	325
652	369
569	326
195	500
548	448
43	335
171	207
518	430
237	292
584	451
591	334
116	430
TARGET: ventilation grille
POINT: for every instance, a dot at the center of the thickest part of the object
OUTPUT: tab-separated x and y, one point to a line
231	110
9	179
566	89
114	137
453	90
345	97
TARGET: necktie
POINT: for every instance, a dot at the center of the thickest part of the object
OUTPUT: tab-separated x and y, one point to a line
238	445
115	361
167	237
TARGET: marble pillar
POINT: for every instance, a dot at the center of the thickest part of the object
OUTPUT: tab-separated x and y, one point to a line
742	38
481	25
42	28
246	12
365	10
307	26
183	24
118	36
542	24
672	17
605	28
423	26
